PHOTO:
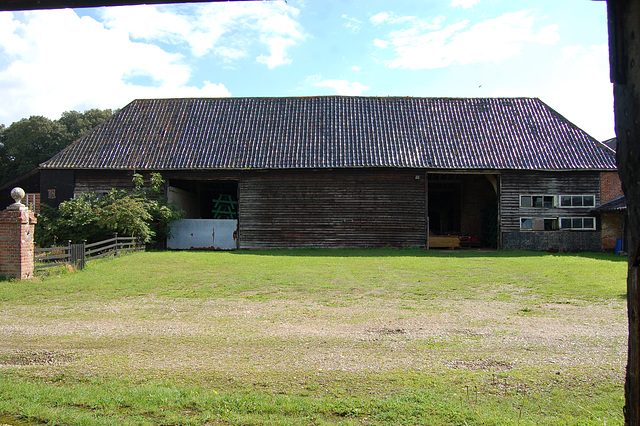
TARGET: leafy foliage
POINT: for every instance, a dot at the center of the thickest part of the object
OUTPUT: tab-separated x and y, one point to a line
143	213
30	141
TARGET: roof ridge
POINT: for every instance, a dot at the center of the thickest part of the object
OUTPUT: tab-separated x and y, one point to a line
301	97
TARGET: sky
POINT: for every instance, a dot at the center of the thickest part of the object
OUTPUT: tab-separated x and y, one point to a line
77	59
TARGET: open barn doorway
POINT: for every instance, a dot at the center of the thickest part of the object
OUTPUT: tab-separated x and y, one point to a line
463	210
211	214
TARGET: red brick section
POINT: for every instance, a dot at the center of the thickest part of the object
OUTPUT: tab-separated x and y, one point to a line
611	230
17	225
611	224
610	186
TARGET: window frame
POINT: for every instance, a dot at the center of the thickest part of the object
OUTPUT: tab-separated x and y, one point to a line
555	224
522	219
583	196
531	200
574	218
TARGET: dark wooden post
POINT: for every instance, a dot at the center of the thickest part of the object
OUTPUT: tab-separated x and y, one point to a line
624	54
77	255
115	236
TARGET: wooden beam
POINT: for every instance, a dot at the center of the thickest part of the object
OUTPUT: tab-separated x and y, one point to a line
623	16
18	5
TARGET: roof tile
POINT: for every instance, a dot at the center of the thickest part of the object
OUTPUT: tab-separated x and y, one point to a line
336	132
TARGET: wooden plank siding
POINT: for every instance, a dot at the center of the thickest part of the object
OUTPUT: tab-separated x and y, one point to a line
332	208
56	186
102	181
516	183
376	207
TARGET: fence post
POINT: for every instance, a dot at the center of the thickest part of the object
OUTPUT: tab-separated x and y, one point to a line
84	253
77	255
115	235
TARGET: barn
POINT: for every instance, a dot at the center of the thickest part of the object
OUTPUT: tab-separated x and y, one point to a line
343	171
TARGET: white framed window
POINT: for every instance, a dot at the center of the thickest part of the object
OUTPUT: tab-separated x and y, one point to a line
537	201
578	223
538	223
526	223
577	200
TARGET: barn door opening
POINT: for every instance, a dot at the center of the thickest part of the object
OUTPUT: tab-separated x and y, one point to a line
211	220
462	210
445	200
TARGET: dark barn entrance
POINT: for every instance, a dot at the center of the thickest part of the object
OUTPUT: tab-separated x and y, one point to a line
462	210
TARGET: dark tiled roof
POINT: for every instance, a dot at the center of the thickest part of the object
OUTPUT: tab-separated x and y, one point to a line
336	132
616	205
611	143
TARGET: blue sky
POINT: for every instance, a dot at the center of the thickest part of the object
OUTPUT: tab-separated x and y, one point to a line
59	60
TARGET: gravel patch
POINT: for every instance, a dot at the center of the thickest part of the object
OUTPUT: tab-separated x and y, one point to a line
235	336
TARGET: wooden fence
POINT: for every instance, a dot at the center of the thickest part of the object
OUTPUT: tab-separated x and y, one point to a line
77	255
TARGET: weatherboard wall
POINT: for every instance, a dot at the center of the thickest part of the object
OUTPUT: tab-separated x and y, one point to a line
516	183
332	208
370	207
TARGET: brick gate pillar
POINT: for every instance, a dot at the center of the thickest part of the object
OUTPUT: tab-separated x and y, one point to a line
17	225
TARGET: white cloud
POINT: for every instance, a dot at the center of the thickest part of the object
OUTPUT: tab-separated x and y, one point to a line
217	28
492	40
98	69
352	24
277	52
342	87
579	88
576	84
389	18
146	22
382	44
46	68
465	4
230	53
379	18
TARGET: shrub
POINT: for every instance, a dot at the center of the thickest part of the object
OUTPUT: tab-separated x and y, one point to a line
143	214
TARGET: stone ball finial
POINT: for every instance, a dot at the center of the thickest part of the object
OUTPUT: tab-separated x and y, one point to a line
17	194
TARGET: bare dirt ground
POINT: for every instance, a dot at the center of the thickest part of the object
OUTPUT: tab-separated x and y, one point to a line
236	336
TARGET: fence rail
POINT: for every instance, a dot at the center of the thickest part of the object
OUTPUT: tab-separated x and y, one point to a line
78	255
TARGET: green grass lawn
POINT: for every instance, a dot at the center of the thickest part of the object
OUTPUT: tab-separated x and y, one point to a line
318	337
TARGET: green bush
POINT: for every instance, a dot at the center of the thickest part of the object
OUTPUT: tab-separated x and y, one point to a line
144	213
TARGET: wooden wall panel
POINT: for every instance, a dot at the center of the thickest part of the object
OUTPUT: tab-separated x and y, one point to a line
544	183
56	186
102	181
332	208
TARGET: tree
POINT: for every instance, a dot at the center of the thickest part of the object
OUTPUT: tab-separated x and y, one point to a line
77	124
28	142
7	168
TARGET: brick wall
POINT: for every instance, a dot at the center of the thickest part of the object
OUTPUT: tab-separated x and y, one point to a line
611	224
611	230
610	186
17	225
